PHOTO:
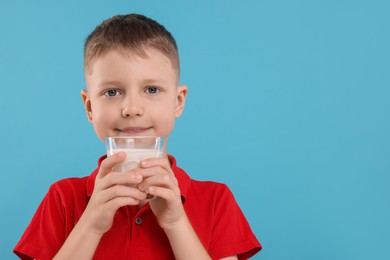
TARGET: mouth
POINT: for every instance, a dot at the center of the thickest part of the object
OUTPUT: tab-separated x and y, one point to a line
137	130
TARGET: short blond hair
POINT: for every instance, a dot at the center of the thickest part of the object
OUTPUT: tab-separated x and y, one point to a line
130	34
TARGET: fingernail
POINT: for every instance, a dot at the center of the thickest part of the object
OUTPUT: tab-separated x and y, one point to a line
151	197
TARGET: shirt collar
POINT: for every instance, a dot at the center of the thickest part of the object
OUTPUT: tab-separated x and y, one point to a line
181	176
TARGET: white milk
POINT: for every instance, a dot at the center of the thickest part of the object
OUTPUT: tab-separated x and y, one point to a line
134	157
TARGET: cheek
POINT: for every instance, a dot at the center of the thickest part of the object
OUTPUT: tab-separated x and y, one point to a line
164	120
103	117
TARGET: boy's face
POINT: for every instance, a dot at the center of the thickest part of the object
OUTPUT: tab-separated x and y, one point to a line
131	95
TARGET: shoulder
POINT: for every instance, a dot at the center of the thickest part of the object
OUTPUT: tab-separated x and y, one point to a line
210	187
210	193
219	221
69	189
67	199
69	184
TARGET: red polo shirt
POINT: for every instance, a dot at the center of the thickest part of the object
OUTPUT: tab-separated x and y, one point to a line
135	234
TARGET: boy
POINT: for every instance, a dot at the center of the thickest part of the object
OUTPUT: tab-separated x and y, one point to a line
131	68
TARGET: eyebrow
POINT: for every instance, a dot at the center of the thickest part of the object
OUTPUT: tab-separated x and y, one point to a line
117	83
151	81
110	82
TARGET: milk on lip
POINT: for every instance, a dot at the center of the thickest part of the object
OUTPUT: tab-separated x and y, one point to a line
134	157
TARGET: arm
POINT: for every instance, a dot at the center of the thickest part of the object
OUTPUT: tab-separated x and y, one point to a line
111	192
160	181
184	241
80	244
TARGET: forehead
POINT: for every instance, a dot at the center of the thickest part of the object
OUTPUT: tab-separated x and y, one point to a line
143	53
122	64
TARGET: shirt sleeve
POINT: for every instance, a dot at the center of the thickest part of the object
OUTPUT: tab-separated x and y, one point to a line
231	233
46	233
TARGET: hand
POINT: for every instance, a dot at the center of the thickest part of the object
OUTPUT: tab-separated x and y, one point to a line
159	180
112	190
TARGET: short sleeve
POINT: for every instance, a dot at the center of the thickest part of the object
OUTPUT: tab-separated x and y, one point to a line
46	233
231	234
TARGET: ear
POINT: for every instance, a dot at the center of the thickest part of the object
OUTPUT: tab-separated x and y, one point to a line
180	100
87	104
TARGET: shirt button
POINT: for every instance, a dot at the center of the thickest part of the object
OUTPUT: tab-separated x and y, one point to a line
138	221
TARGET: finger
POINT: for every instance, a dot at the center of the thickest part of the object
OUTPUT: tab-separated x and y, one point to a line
119	202
163	193
159	180
156	167
152	162
109	162
131	178
155	170
122	191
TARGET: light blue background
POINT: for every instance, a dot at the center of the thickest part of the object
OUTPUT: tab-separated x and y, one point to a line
289	104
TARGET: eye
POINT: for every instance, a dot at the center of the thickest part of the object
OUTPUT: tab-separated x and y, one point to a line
152	90
111	93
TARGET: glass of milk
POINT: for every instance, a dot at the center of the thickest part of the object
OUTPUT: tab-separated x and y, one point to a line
137	148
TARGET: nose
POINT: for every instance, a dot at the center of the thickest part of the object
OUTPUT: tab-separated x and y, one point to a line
132	107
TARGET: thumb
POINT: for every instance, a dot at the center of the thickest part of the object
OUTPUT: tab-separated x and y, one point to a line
109	163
